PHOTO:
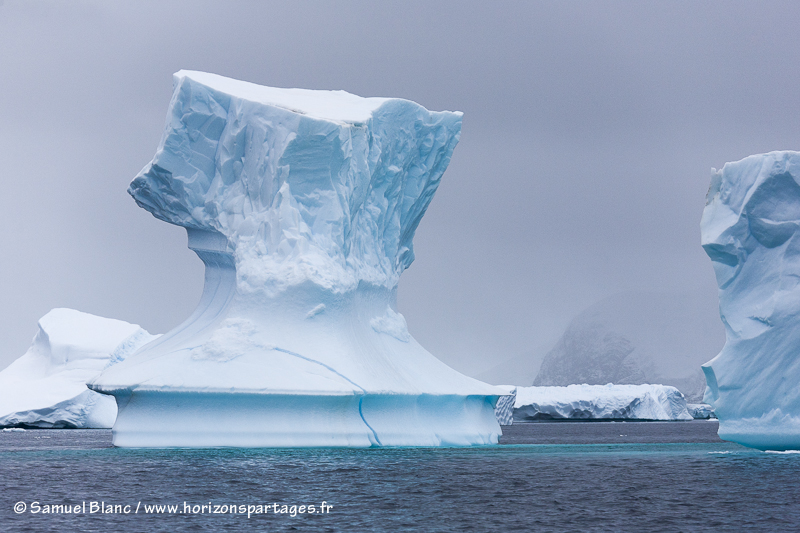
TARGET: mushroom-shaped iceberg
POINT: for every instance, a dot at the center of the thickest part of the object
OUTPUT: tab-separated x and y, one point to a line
302	205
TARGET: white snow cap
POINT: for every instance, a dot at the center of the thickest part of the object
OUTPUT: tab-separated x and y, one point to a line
338	106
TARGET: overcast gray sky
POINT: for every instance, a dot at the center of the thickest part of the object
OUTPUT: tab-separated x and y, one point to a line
589	132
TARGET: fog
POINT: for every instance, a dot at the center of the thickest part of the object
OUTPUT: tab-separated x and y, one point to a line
589	133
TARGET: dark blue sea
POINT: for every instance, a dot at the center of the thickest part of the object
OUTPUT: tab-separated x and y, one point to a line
568	476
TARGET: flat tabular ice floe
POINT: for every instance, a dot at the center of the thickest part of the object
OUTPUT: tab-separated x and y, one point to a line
302	205
46	387
600	402
750	232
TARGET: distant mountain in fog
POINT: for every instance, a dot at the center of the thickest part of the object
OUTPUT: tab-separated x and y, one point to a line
628	338
636	338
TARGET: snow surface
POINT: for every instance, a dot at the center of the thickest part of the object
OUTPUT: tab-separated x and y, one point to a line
636	338
46	387
338	106
749	230
597	402
303	206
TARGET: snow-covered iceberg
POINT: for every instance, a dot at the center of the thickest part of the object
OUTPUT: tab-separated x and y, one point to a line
701	411
600	402
750	231
303	206
46	387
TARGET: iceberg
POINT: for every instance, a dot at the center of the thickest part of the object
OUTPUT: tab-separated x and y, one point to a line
600	402
46	387
701	411
303	206
504	409
749	229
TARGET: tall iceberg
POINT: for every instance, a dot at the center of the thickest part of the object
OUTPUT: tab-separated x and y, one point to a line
302	205
750	232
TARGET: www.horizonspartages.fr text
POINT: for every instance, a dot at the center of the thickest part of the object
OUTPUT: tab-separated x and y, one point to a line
186	508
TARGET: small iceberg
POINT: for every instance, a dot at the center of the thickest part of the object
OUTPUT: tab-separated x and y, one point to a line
701	411
46	387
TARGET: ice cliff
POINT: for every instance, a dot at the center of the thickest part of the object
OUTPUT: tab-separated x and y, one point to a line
504	409
750	231
46	387
303	206
598	402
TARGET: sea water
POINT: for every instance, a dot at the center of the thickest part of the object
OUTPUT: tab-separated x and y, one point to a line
570	476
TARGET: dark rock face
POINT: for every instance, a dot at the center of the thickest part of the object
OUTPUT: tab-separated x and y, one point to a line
591	355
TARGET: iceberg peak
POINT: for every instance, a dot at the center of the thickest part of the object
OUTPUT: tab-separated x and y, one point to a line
298	185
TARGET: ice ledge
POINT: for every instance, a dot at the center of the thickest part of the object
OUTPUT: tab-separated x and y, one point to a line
774	430
197	420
